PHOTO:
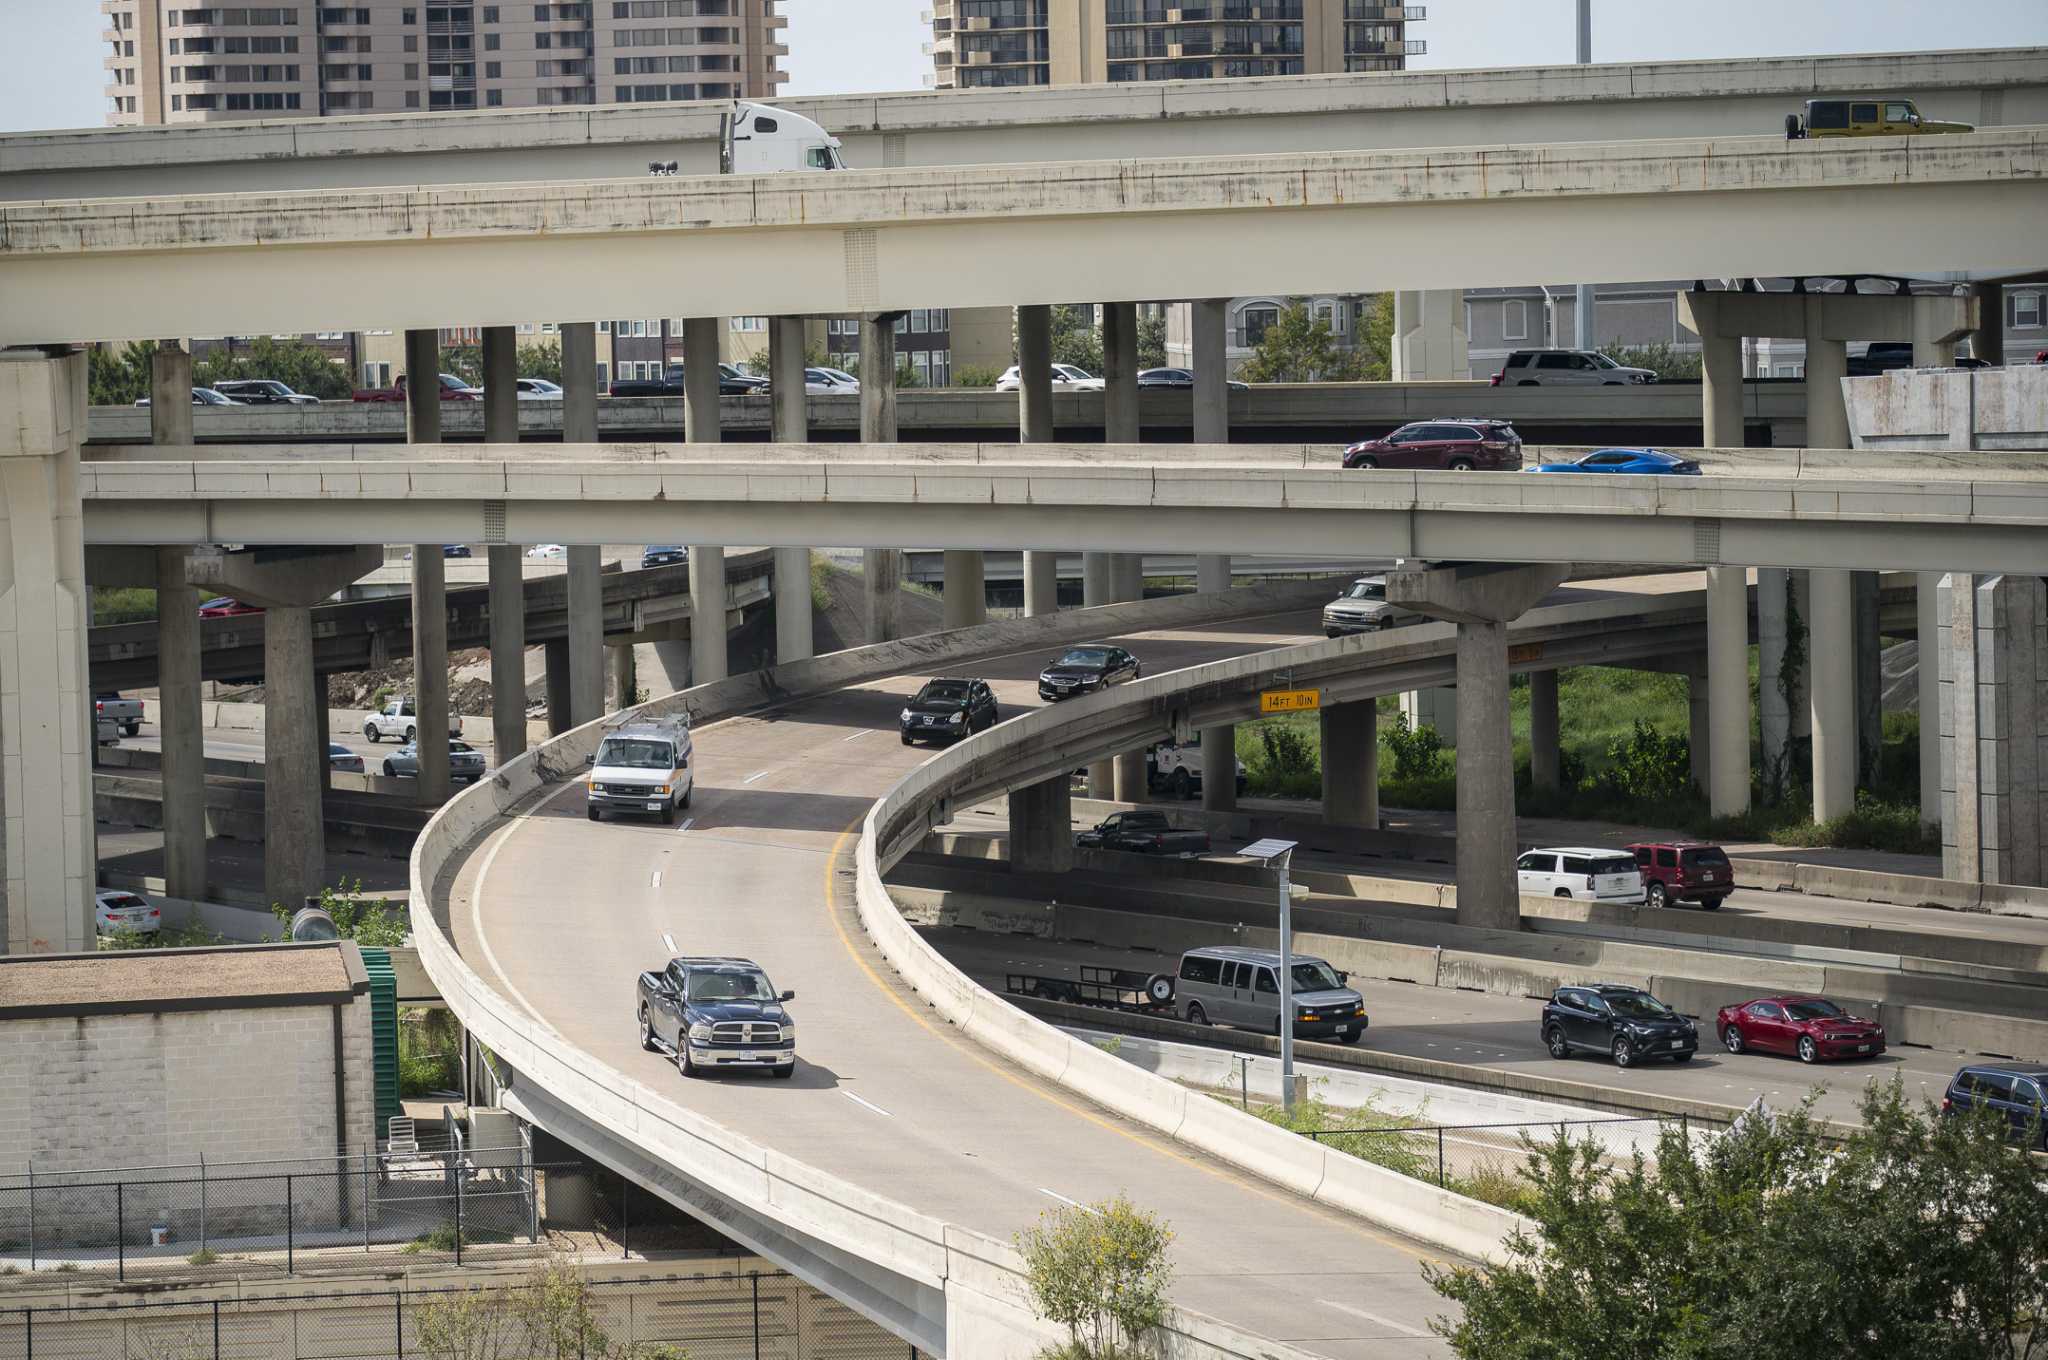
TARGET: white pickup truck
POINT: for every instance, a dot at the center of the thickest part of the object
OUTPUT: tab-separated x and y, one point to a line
399	720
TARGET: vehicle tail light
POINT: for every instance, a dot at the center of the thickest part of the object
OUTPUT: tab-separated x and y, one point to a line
1946	1105
1590	880
1494	381
1496	445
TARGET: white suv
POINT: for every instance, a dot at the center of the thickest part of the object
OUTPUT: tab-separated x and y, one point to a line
1577	872
400	720
1063	376
1567	368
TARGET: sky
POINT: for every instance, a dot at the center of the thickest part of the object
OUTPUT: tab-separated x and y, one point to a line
851	46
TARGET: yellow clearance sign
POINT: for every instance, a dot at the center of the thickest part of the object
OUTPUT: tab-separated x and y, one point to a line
1290	700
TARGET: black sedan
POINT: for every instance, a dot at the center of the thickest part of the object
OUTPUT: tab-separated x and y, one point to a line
1182	378
1087	669
948	710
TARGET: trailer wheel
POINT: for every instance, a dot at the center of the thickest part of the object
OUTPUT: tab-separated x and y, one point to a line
1159	987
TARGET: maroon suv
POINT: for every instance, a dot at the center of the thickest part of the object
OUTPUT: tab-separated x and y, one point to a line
1684	871
1460	445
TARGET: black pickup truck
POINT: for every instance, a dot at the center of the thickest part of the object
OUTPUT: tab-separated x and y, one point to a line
715	1013
1142	833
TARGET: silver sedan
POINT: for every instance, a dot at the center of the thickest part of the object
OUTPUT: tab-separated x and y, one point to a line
465	762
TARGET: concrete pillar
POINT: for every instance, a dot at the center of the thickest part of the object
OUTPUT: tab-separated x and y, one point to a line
294	829
181	739
501	385
1773	707
1830	656
1219	768
1041	583
508	652
1932	353
1728	690
556	653
1098	578
625	676
423	387
966	597
1120	372
1699	726
1212	572
1545	751
1827	411
579	382
701	336
1721	391
1130	778
707	614
1987	342
1042	827
1210	359
790	423
1351	765
1429	341
881	568
1034	375
1129	575
1928	634
323	730
1482	600
430	669
1996	687
793	623
586	632
47	860
1869	666
170	394
1437	708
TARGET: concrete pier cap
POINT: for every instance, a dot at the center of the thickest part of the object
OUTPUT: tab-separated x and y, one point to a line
281	578
1475	592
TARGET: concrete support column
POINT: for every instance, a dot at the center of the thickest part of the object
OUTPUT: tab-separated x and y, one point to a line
579	382
1042	827
1034	375
1773	707
1219	768
294	829
625	676
47	859
1929	635
790	423
501	385
181	739
1041	583
1545	750
556	652
1992	766
1728	690
1699	727
430	669
1721	391
170	395
1987	342
323	730
1827	411
1931	353
701	336
1429	341
1120	373
1212	572
966	598
422	387
1098	578
508	652
793	623
707	613
1437	708
1869	666
1830	651
1210	320
586	632
1351	765
881	568
1130	779
1129	569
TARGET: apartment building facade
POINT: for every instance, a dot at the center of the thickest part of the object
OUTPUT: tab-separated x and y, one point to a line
980	44
172	62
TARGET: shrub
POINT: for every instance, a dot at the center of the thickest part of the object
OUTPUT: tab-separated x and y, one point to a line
1414	753
974	375
359	917
1101	1271
1649	767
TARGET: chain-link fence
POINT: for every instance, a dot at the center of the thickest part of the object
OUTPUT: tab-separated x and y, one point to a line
1447	1153
734	1316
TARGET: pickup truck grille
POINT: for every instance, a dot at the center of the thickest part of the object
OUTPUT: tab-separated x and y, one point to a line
745	1032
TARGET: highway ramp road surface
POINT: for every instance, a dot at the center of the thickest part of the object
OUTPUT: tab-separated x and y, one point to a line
562	914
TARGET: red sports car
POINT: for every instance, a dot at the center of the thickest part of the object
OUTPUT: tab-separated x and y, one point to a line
222	606
1808	1027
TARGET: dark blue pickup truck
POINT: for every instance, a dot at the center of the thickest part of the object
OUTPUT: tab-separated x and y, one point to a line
711	1014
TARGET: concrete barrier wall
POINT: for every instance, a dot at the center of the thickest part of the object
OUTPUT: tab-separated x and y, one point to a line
1909	890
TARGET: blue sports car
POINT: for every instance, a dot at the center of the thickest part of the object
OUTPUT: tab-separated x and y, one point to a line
1652	461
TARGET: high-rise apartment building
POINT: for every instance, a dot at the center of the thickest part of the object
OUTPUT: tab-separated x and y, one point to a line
173	63
994	43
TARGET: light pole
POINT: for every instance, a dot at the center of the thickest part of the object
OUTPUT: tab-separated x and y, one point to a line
1274	855
1583	313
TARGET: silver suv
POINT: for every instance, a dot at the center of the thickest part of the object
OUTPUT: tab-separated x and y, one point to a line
1364	609
1567	368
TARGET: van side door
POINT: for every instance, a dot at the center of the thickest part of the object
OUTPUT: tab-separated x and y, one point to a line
1235	998
1265	1005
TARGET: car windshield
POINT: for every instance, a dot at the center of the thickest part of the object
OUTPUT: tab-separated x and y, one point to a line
1712	857
1637	1006
1072	373
1812	1010
1315	976
1367	590
1604	362
943	692
636	754
1084	656
122	900
729	985
460	746
1623	864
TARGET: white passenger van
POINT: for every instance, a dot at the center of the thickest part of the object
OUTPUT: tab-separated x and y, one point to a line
643	767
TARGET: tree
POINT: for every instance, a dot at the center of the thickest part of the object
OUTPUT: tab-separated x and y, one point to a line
1300	347
1152	340
1074	338
1919	1235
118	378
550	1315
1100	1271
542	359
298	365
465	362
1376	346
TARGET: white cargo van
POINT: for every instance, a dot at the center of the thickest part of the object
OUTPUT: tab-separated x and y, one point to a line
642	767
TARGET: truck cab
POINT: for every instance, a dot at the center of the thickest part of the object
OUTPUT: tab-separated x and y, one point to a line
399	720
755	139
642	767
1864	116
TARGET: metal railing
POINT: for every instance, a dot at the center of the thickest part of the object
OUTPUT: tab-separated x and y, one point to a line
1485	1142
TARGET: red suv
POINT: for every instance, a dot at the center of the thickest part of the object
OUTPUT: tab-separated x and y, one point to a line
1460	445
1684	871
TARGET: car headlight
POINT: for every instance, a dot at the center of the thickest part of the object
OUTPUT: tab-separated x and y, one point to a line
789	1034
1091	680
661	789
701	1031
904	716
957	718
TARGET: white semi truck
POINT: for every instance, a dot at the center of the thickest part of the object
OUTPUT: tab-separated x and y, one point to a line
754	139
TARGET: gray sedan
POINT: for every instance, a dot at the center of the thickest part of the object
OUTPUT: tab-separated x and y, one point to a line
465	762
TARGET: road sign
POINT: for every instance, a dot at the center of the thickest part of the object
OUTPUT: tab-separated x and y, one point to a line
1290	700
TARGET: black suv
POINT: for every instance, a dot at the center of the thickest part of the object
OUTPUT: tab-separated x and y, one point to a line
948	709
1626	1023
2014	1089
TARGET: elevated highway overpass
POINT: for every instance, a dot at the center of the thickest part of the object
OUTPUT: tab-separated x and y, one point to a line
870	241
1719	98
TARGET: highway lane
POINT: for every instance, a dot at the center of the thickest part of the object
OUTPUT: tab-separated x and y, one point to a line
563	914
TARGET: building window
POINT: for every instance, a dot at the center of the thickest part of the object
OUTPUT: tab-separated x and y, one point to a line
490	42
604	374
494	98
494	70
1254	322
1514	319
2026	309
750	323
920	321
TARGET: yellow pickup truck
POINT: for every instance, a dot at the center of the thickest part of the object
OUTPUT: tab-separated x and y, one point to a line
1864	118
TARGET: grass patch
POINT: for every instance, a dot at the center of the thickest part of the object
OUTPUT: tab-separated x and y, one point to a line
429	1051
821	584
205	1256
443	1237
123	604
188	936
1372	1135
